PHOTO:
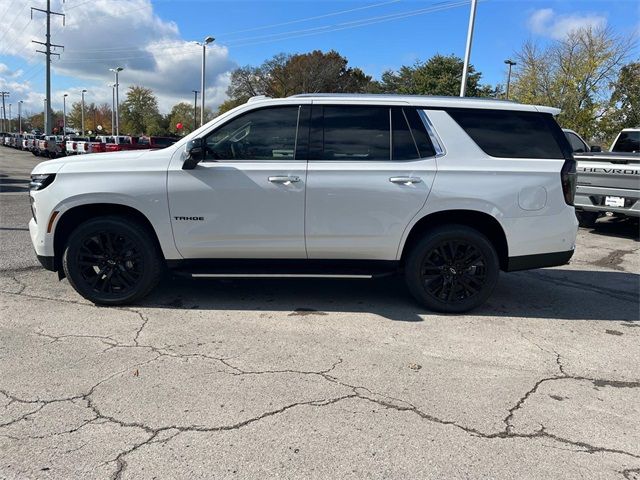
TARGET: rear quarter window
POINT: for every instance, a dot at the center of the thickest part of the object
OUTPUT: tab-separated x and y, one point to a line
513	134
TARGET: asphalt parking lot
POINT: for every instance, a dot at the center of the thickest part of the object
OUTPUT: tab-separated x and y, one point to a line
319	378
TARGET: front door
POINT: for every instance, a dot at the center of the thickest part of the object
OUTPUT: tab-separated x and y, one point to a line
246	198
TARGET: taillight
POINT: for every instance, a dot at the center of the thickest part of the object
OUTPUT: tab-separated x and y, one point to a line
568	180
74	145
46	145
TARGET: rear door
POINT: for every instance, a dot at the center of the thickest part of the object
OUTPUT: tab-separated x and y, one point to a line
370	171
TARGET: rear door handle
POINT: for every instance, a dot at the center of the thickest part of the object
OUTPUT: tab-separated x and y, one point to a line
405	180
284	179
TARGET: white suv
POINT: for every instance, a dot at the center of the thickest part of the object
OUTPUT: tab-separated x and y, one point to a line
447	191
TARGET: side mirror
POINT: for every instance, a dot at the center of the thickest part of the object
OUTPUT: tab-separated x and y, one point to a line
596	148
195	153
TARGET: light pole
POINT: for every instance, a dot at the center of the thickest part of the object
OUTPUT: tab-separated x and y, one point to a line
82	110
20	115
117	100
10	129
467	54
113	105
195	108
64	114
511	63
207	40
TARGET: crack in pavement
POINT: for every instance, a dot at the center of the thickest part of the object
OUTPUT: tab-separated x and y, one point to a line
358	392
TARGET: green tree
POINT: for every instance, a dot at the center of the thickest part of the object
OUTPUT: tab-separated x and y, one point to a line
623	110
139	112
573	74
183	113
440	75
284	75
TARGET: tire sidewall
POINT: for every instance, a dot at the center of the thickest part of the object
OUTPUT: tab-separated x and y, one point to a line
136	234
413	267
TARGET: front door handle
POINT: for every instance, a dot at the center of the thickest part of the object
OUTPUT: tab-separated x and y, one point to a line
405	180
284	179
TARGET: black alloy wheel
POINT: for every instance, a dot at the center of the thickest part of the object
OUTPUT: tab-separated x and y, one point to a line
112	260
452	269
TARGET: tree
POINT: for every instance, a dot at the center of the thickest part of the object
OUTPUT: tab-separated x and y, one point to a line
139	112
183	113
284	75
623	110
440	75
574	74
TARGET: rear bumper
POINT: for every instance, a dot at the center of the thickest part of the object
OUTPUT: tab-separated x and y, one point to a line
541	260
592	199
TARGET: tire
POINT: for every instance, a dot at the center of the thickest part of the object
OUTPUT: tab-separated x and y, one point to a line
112	260
587	219
452	283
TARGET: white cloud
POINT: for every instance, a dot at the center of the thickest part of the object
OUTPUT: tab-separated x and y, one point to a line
548	23
103	34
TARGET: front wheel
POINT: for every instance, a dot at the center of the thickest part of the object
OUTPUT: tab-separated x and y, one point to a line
112	261
452	269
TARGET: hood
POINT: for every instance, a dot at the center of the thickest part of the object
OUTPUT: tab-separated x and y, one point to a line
97	161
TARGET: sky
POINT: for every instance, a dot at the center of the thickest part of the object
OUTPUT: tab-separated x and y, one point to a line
152	39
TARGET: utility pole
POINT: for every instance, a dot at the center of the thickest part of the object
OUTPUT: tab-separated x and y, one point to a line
82	111
511	63
195	108
10	129
117	99
20	115
4	114
64	114
47	44
205	42
467	54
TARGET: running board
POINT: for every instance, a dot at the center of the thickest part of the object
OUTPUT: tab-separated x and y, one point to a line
282	267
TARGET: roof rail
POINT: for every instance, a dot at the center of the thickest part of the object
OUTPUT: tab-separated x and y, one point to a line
257	97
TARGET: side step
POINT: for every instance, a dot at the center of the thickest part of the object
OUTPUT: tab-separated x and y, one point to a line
282	267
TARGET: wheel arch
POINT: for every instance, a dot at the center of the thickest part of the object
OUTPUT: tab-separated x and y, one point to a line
73	217
480	221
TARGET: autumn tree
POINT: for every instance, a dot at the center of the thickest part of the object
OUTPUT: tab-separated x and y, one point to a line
284	75
573	74
139	113
440	75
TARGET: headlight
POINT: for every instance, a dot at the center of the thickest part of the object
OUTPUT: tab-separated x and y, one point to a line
38	182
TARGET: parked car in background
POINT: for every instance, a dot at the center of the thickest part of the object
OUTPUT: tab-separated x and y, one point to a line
71	144
121	143
27	141
608	182
92	145
155	143
628	140
447	191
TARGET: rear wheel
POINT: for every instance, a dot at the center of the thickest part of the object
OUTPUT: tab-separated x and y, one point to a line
112	261
453	269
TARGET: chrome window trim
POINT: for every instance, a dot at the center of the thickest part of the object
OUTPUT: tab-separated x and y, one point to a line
438	146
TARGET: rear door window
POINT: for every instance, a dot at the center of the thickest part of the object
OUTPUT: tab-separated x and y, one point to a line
356	133
512	134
